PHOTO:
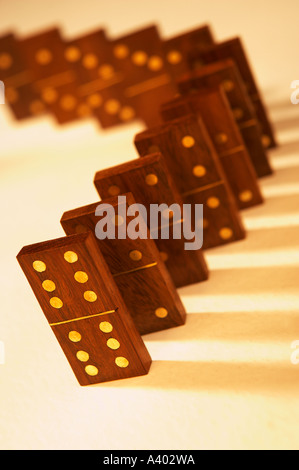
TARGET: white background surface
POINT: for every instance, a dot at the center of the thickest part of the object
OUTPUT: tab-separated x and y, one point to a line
222	381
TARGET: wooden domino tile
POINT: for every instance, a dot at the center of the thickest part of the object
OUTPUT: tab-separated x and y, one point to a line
84	308
150	183
136	266
100	78
213	107
226	73
22	99
147	82
198	174
234	49
177	49
54	79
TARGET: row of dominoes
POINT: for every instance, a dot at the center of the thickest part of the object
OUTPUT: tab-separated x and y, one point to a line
100	296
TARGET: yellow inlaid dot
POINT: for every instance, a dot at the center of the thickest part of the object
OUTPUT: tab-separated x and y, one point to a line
121	362
163	256
74	336
174	57
155	63
266	141
70	256
117	220
238	113
226	233
39	266
112	343
91	370
90	61
228	85
106	71
161	312
72	54
81	276
112	106
135	255
36	107
213	202
113	190
126	113
95	100
105	327
56	302
43	56
188	141
83	110
221	138
90	296
83	356
121	51
68	102
246	196
151	179
5	61
139	58
49	95
11	95
199	171
49	285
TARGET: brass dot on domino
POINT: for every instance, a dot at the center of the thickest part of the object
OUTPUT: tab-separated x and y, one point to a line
70	256
135	255
126	113
105	327
81	277
161	312
226	233
174	57
164	256
48	285
36	107
139	58
112	106
188	141
56	302
228	85
106	71
266	141
91	370
49	95
199	171
68	102
114	190
90	296
213	202
121	362
72	54
112	343
121	51
74	336
43	56
221	138
238	113
90	61
83	356
151	179
5	61
155	63
246	196
95	100
39	266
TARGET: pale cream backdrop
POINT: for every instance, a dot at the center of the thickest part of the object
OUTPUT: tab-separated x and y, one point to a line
225	379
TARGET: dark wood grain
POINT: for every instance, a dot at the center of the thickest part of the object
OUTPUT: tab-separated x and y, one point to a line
23	101
213	107
198	174
226	73
81	319
185	267
143	279
233	48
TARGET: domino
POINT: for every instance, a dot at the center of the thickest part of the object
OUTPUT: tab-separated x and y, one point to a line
151	184
198	174
135	264
226	73
84	309
214	109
